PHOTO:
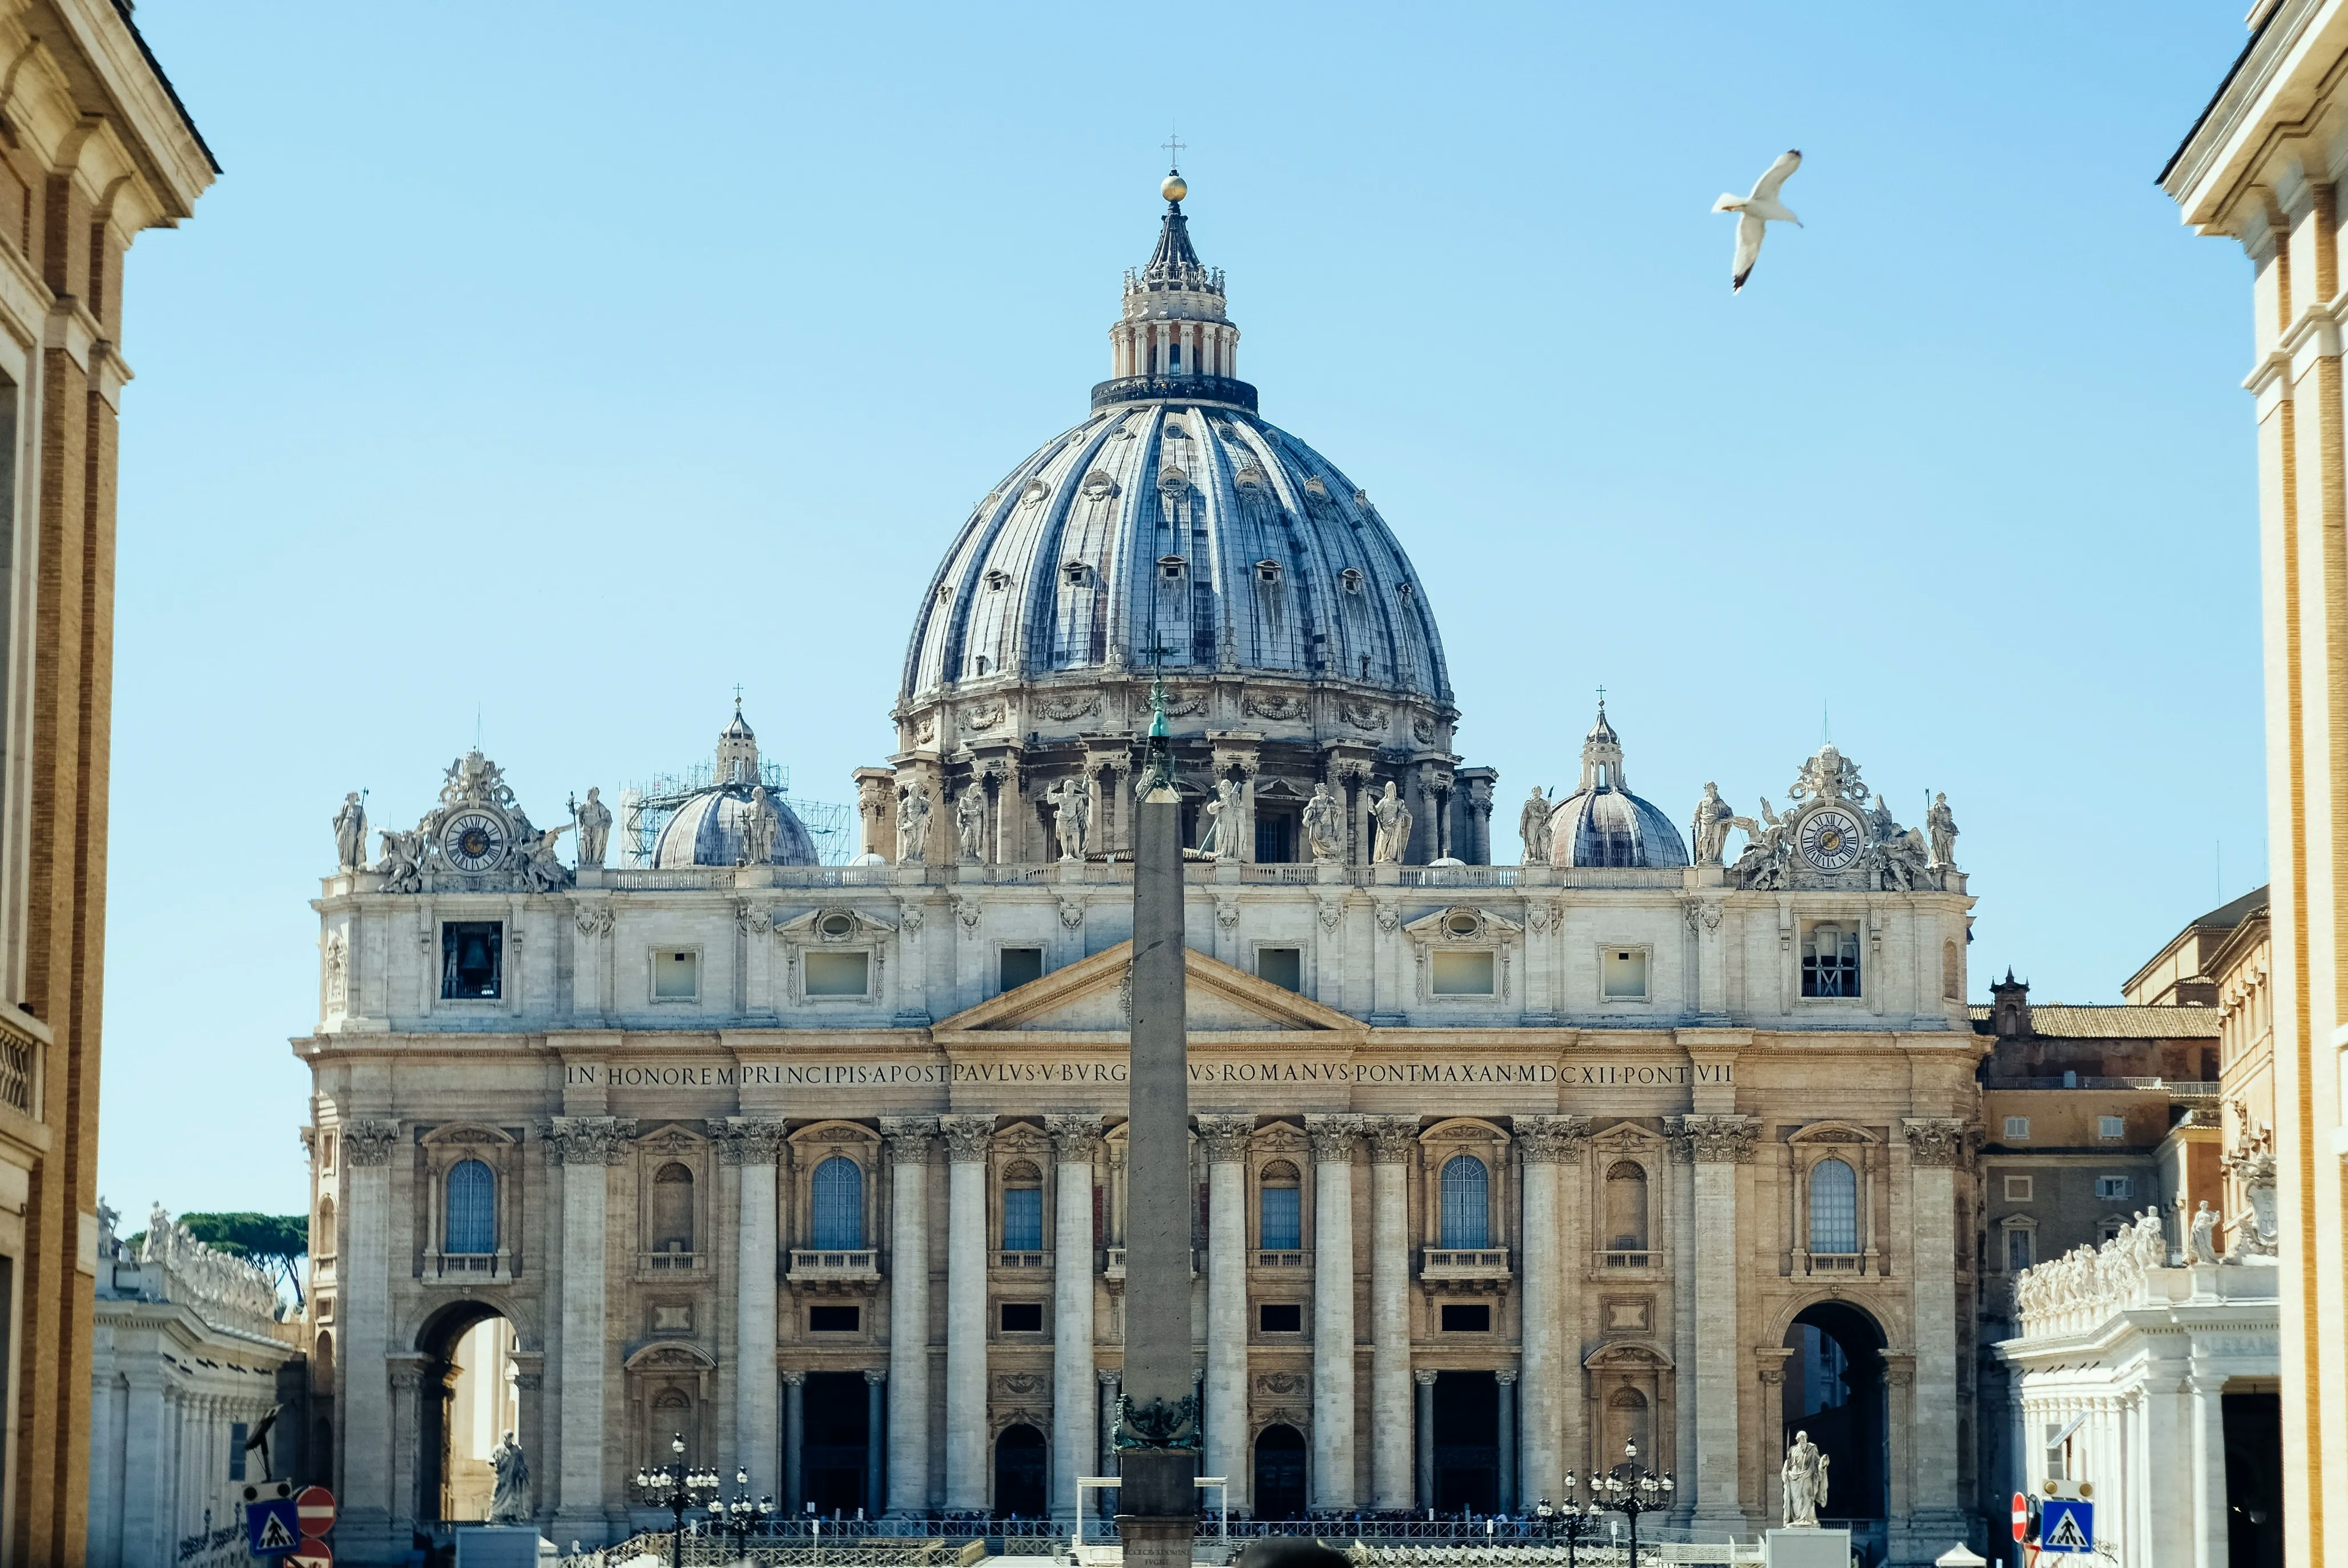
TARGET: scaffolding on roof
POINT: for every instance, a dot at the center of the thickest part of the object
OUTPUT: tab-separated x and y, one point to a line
645	808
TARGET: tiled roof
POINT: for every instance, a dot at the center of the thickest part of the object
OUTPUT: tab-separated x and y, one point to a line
2063	1021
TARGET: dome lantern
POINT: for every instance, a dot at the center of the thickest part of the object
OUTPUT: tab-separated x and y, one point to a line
1603	823
1172	338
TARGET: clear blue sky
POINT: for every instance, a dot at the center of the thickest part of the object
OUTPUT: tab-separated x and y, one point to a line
570	364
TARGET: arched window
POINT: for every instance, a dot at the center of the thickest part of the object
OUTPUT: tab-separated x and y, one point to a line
1279	1209
1467	1198
673	1209
1023	1208
1834	1208
473	1217
1626	1207
839	1192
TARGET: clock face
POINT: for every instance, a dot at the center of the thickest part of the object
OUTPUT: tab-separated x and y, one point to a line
1830	839
473	842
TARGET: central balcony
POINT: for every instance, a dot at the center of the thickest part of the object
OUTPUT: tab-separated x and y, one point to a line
1477	1268
1113	1264
834	1268
1022	1261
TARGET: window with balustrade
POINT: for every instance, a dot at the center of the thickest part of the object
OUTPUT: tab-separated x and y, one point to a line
1625	1235
1279	1208
471	1193
836	1195
1833	1209
471	1197
672	1208
1023	1208
1466	1203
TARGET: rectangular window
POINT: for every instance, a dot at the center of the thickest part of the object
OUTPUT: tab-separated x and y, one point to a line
2017	1250
1829	960
1023	1318
676	974
2018	1189
1467	1317
2115	1186
1283	1227
1280	1317
1021	965
472	958
838	973
2017	1129
1625	973
2111	1128
1022	1219
1275	838
834	1319
1461	974
1283	966
237	1433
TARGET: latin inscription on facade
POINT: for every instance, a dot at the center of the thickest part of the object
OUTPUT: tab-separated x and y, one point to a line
931	1074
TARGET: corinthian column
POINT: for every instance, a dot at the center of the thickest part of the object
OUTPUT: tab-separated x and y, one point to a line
1716	1145
365	1290
1334	1141
1393	1141
1546	1143
1227	1139
1075	1141
966	1143
909	1137
586	1147
1936	1148
751	1148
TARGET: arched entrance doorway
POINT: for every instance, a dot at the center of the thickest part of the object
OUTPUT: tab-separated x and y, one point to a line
1019	1472
469	1402
1280	1472
1835	1391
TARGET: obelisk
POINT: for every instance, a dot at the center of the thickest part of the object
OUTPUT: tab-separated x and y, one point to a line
1157	1416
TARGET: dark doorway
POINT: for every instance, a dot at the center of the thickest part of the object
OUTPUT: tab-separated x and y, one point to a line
835	1438
2253	1479
466	1401
1275	835
1835	1392
1467	1442
1280	1473
1019	1474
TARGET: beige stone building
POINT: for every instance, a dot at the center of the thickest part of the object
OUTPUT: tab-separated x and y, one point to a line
821	1166
2262	166
94	149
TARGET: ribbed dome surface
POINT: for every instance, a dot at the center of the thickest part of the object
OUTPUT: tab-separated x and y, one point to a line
707	831
1192	525
1610	827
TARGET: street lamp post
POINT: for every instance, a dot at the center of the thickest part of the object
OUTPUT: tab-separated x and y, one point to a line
738	1516
1631	1489
678	1487
1578	1525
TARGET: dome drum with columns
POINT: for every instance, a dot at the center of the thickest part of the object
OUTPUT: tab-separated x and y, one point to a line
1175	529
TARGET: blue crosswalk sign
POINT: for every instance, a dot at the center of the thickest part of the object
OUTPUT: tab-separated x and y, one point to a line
2066	1524
271	1528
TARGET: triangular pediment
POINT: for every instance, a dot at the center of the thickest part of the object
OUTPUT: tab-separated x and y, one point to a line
1090	997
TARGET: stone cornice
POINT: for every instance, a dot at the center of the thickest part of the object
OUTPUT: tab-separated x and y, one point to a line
181	167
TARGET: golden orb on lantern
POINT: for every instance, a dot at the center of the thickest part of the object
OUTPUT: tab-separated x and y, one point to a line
1173	188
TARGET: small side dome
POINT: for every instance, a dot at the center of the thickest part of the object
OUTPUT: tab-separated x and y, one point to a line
712	830
1602	823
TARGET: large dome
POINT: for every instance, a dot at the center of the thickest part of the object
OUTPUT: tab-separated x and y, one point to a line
1192	526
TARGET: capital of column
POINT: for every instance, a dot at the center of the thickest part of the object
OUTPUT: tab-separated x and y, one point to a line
1423	1377
745	1140
1937	1141
1712	1139
1504	1375
793	1379
588	1140
1109	1377
1226	1138
1076	1138
1334	1137
907	1137
1393	1138
1552	1140
370	1142
876	1375
967	1138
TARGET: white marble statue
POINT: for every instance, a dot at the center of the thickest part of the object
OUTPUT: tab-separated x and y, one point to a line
1804	1475
912	825
970	823
540	869
1713	817
1223	822
1324	825
402	866
760	826
594	828
1941	824
1532	826
350	835
1072	816
1392	818
509	1503
2204	1234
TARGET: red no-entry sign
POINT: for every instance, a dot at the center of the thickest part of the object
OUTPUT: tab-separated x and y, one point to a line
2021	1514
314	1509
312	1553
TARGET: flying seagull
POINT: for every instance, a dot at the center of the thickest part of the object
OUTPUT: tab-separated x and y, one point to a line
1757	209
